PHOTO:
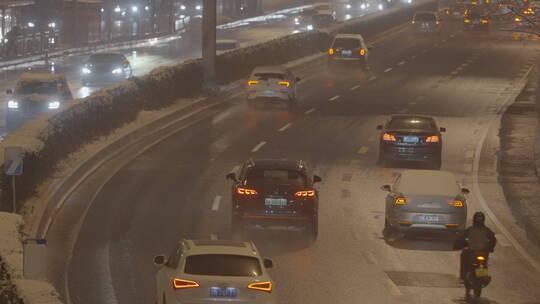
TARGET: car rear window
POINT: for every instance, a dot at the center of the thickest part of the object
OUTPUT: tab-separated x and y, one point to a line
223	265
266	76
412	123
424	17
346	43
41	88
277	176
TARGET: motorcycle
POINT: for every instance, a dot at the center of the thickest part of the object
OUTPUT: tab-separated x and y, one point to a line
477	276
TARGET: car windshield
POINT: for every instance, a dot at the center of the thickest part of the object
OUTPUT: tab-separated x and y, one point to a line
412	123
425	17
346	43
223	265
277	176
35	87
105	58
266	76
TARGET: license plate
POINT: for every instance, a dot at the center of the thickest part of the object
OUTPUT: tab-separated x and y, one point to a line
346	53
267	93
430	218
481	272
275	202
476	22
223	292
410	139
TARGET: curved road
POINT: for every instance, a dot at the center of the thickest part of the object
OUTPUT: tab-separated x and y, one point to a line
140	207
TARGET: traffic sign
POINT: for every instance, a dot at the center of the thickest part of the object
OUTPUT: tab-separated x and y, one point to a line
13	160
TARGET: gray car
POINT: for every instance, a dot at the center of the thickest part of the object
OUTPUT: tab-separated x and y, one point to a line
425	199
425	22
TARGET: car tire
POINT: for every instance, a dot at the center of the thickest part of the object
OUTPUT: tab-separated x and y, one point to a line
437	164
237	228
312	229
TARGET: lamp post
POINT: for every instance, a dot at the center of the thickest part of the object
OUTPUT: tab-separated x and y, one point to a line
209	43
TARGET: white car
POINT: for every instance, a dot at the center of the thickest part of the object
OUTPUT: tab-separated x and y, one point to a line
214	271
269	84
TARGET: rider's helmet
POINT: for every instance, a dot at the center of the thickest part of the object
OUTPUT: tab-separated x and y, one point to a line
479	219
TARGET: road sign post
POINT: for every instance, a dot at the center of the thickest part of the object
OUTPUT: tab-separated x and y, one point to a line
13	166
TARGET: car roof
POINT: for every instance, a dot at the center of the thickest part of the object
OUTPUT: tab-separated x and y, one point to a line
353	36
428	182
41	77
202	246
270	69
278	163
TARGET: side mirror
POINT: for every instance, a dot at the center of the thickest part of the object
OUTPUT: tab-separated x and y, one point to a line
268	263
386	188
465	191
159	260
297	79
9	91
442	129
379	127
317	179
231	176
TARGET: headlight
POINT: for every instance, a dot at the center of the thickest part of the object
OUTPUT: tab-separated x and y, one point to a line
296	20
54	105
380	7
86	70
309	27
363	6
348	6
117	71
12	104
183	7
198	7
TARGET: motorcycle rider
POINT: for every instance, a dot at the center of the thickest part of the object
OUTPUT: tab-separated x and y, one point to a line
477	238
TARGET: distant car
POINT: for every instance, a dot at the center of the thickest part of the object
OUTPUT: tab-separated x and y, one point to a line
103	68
322	20
302	21
275	193
410	138
190	7
425	22
324	8
456	11
474	20
35	94
214	271
270	84
347	49
425	199
226	45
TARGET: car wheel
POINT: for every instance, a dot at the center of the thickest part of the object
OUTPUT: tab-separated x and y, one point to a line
437	164
381	161
312	229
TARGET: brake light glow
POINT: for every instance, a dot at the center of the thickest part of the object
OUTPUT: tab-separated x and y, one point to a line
400	201
480	258
181	284
517	19
388	137
432	139
284	83
330	51
485	21
245	191
456	203
253	82
362	52
437	22
262	286
305	193
467	21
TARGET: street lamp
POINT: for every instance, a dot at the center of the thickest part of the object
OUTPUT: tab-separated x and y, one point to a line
117	9
134	9
31	24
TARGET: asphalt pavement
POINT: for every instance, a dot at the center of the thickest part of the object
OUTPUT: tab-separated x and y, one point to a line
103	240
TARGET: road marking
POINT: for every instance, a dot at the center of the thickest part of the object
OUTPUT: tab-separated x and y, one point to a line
370	257
454	73
355	87
388	70
394	290
285	127
372	78
258	146
334	98
402	63
310	111
362	150
213	236
459	68
237	94
215	205
413	56
452	36
412	103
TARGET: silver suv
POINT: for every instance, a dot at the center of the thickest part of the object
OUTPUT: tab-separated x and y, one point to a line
347	49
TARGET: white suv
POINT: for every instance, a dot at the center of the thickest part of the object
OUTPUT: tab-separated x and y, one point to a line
268	84
214	271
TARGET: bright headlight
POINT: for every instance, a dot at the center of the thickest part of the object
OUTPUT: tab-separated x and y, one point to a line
117	71
363	6
183	7
348	6
309	27
12	104
54	105
198	7
86	70
380	7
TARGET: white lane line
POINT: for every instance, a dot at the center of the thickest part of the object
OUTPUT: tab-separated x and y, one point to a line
310	111
388	70
237	94
372	78
394	290
402	63
258	146
335	98
215	204
285	127
362	150
412	103
454	73
413	56
213	236
444	40
355	87
459	68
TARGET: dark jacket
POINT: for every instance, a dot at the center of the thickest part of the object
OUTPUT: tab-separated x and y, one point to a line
477	239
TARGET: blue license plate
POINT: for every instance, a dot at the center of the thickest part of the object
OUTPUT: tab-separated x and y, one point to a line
430	218
346	53
410	139
275	202
223	292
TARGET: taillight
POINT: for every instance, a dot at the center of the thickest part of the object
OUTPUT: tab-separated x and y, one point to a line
388	137
517	19
181	284
400	201
432	139
330	51
262	286
480	259
246	191
362	52
456	203
437	22
485	21
467	21
284	83
305	193
253	82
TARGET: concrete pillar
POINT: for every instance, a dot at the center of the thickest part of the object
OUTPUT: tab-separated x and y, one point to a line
209	43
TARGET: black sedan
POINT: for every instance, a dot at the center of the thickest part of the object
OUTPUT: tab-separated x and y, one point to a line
104	68
410	138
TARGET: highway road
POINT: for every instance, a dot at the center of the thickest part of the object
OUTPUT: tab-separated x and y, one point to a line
103	240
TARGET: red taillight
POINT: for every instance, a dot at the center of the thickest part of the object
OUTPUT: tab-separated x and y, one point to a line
388	137
400	201
181	284
330	51
262	286
456	203
246	191
305	193
284	83
253	82
432	139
